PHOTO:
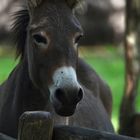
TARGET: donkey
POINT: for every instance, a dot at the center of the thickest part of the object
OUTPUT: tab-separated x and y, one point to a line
50	76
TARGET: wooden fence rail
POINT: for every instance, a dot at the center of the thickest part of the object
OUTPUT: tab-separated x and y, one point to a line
75	133
39	126
4	137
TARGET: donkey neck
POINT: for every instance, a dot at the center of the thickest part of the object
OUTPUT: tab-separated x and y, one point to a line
26	94
18	95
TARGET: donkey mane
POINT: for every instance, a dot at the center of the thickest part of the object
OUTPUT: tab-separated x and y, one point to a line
19	30
19	27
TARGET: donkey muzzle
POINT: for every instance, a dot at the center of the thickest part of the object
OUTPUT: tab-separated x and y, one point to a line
66	92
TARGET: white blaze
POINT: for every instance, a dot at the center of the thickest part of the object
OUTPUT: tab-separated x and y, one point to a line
64	77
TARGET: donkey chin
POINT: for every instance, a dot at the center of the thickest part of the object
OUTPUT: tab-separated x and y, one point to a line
64	110
65	92
65	102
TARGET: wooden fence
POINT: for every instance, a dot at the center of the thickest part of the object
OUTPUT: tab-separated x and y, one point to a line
39	126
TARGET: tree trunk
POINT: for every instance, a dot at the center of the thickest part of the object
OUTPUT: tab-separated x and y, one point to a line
132	66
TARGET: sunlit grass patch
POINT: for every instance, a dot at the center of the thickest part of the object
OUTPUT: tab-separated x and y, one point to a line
6	66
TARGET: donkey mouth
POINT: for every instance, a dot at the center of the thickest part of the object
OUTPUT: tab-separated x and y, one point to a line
65	110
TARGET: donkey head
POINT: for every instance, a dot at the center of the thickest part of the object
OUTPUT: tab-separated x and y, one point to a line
53	35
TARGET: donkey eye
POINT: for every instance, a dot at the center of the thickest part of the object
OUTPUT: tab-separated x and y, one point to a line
39	39
77	39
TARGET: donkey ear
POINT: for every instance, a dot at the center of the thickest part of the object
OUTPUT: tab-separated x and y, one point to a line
33	3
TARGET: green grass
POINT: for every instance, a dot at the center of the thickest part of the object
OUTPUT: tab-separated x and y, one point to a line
108	63
6	65
7	62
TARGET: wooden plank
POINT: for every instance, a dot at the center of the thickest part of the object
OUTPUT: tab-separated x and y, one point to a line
36	125
75	133
5	137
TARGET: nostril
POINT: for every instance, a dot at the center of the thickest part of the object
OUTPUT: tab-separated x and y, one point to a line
80	94
59	94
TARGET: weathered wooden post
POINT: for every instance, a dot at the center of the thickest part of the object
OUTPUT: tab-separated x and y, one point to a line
36	125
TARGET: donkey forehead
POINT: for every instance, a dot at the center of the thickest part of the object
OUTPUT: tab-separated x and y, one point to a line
54	15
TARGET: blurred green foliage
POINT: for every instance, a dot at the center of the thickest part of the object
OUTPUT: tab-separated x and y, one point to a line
7	62
6	65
